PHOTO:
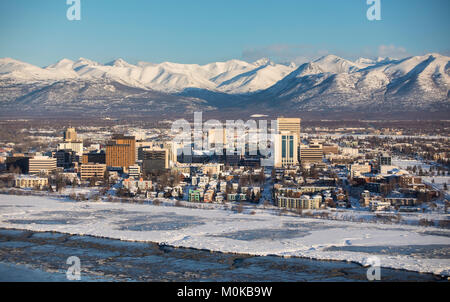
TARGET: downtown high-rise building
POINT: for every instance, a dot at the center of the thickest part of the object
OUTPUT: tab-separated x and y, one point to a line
292	125
155	159
121	151
286	149
71	142
70	135
289	124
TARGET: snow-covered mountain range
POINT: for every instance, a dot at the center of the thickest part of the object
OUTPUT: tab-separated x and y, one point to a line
415	83
328	83
231	77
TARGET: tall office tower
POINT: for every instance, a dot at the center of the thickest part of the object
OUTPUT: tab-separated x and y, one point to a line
312	153
65	158
294	126
140	146
172	149
70	135
155	159
71	142
286	148
121	152
289	124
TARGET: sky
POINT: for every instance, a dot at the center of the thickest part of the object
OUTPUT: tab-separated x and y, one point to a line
203	31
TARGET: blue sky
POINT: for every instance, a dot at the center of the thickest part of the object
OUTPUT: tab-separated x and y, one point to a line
202	31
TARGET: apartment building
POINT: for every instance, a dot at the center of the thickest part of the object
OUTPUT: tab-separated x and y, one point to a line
303	202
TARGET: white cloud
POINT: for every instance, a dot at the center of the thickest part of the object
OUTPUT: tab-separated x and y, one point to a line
299	54
392	51
284	53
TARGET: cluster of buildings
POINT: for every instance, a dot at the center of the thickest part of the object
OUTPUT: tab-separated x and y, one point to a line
118	156
306	172
225	184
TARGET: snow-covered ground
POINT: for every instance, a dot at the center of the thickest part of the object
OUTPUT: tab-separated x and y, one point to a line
438	183
422	249
405	163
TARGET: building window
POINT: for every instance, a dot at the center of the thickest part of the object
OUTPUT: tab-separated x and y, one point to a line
291	146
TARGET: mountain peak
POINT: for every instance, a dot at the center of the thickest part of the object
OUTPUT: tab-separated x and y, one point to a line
85	61
119	63
329	57
263	62
63	63
335	64
9	60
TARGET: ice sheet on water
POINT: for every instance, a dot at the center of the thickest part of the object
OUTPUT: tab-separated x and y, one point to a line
61	221
12	232
14	244
74	251
48	235
158	222
288	231
14	206
108	242
260	234
432	251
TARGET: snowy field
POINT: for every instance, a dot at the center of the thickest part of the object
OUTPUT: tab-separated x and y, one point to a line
405	163
439	182
421	249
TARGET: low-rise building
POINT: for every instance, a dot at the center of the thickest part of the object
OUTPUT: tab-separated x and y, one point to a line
377	205
211	169
91	170
132	184
195	195
401	201
236	197
30	181
219	198
208	196
41	164
358	169
134	171
302	202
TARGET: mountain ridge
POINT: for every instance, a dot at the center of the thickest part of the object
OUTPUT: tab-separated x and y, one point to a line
329	83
